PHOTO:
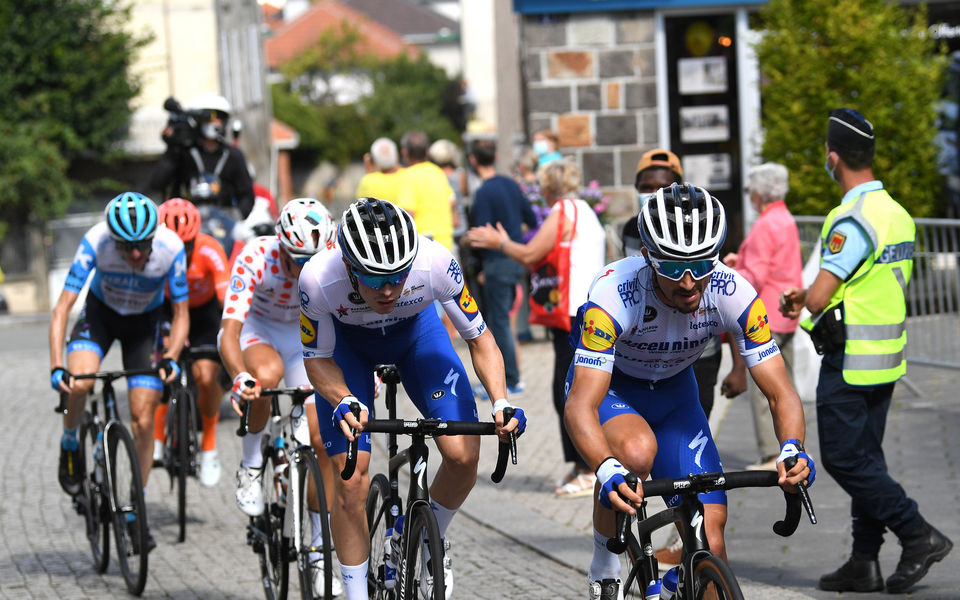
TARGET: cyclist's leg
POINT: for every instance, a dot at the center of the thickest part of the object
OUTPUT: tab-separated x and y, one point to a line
89	341
140	340
687	446
204	326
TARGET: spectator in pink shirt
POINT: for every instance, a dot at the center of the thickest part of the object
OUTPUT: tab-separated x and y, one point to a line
769	258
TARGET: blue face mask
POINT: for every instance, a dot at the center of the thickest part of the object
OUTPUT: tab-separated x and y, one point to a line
832	172
541	147
643	198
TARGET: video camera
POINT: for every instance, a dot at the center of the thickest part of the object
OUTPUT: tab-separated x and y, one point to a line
185	124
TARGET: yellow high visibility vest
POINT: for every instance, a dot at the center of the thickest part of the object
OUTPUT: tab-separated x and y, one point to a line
874	297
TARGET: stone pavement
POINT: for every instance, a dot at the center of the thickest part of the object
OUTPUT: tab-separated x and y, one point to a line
512	540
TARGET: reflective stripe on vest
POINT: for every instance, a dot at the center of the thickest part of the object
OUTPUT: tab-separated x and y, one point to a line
873	298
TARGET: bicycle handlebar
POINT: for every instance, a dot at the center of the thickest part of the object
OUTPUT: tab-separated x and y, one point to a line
297	394
61	406
434	427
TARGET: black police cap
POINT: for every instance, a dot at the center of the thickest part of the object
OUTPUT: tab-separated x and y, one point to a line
849	130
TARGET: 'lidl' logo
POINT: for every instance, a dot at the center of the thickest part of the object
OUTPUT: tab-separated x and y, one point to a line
308	331
598	330
756	326
467	303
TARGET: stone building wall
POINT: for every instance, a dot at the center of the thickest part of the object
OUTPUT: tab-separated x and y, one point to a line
592	79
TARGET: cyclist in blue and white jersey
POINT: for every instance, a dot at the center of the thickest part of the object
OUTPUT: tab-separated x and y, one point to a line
632	402
369	302
131	259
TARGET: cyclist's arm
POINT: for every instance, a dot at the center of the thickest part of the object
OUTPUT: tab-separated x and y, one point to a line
488	363
581	416
771	377
58	326
179	329
328	381
229	343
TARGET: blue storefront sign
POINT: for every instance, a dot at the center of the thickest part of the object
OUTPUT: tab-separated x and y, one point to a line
539	7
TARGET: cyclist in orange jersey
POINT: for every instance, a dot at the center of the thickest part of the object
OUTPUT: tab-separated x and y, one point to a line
207	277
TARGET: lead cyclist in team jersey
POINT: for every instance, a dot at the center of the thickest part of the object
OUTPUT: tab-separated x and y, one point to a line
207	276
370	302
131	259
260	343
632	402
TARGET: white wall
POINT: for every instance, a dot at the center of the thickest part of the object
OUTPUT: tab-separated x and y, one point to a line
479	69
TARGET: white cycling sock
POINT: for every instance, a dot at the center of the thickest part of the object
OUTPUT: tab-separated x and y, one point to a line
251	455
605	564
355	581
316	539
444	516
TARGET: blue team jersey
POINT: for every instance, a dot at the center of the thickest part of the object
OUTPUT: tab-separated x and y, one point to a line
124	289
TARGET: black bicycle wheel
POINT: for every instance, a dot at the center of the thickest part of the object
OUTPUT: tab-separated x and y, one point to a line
308	476
712	578
275	555
130	514
180	454
422	563
630	562
93	503
377	503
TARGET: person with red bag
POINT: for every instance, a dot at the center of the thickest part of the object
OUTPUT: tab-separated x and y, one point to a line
563	257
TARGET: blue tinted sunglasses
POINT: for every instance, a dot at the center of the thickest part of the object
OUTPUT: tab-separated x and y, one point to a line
674	269
378	281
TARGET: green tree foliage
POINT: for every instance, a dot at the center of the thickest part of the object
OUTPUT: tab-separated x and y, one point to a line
405	94
870	55
65	90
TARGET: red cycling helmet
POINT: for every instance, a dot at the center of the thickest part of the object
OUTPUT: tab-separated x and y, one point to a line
182	217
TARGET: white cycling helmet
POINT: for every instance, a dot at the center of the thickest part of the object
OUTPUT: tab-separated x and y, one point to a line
377	238
682	222
214	107
305	227
210	101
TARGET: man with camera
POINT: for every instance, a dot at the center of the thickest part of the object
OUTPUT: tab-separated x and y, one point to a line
199	163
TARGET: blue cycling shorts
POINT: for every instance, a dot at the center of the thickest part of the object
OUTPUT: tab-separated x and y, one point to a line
672	409
430	371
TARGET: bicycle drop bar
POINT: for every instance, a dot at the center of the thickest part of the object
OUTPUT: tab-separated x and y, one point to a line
105	376
434	427
297	394
618	543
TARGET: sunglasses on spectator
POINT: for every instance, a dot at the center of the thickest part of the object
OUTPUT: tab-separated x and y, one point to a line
141	245
378	281
675	269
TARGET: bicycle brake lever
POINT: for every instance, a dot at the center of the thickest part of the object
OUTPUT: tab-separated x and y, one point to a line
508	413
350	465
789	463
618	543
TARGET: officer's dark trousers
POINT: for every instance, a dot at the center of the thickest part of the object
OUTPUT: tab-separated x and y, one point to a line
851	421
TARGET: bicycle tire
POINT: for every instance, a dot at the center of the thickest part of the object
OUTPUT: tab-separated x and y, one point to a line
275	556
130	511
710	574
377	504
94	502
180	453
422	575
308	474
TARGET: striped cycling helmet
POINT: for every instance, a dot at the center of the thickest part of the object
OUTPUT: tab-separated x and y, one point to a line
682	222
377	238
131	217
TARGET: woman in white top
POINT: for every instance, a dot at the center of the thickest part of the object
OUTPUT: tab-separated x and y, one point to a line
559	183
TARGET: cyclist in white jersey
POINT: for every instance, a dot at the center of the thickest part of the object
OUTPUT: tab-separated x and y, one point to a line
260	344
632	402
131	259
369	302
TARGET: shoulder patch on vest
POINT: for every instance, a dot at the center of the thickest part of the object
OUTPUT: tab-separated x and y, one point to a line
837	239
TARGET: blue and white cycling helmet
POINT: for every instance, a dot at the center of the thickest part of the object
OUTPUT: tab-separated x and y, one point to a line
683	222
131	217
377	238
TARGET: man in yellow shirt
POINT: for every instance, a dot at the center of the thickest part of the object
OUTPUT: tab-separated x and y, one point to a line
425	192
384	175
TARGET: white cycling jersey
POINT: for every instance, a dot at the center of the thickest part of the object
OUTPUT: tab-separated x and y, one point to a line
326	294
126	290
259	285
625	323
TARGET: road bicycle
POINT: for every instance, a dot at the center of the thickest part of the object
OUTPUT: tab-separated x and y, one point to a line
182	445
292	487
111	490
700	573
418	554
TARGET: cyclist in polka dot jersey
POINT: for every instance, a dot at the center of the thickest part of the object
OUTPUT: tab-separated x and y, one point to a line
259	336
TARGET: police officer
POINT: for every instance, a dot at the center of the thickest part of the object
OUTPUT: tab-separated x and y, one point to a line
858	324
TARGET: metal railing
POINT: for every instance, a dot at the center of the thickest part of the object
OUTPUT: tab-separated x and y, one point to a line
933	296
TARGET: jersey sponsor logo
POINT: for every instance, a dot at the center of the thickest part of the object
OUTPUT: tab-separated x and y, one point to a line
704	324
453	270
355	298
304	299
896	252
755	323
403	303
438	394
84	259
605	274
481	327
619	406
665	347
649	314
768	352
629	292
342	311
412	289
723	283
237	284
599	332
467	304
837	239
590	361
308	331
